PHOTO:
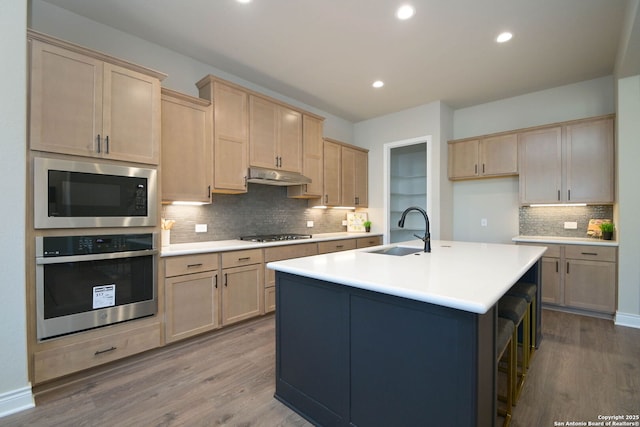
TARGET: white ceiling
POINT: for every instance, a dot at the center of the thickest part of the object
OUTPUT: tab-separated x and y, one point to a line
326	53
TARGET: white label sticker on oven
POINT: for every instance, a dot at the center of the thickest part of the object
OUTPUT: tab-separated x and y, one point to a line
104	296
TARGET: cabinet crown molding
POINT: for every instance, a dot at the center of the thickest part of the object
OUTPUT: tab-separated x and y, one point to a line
35	35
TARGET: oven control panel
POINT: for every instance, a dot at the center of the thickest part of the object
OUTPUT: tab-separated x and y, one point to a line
54	246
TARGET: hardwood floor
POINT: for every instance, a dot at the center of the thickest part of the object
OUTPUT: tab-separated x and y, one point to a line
585	367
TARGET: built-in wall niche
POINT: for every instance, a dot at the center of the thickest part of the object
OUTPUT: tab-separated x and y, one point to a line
549	220
264	209
407	187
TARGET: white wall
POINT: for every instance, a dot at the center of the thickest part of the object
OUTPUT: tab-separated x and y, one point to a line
15	391
183	72
628	227
412	123
496	199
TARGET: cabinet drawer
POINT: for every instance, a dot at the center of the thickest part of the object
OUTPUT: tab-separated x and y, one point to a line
290	251
178	265
65	360
238	258
591	253
553	250
365	242
336	245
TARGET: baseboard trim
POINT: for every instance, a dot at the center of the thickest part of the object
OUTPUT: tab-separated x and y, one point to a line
16	401
628	319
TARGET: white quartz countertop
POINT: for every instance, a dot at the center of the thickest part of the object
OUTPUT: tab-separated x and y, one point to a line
461	275
565	240
233	245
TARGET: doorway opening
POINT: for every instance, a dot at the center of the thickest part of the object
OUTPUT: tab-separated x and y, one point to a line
407	184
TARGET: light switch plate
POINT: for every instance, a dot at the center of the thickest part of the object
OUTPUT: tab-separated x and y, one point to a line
201	228
309	224
570	225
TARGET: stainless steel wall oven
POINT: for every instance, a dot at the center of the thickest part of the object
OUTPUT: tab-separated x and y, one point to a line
77	194
84	282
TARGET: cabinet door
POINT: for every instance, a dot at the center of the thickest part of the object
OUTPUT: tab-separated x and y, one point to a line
332	178
590	162
131	115
231	139
499	155
551	281
187	149
463	159
191	304
590	285
262	131
348	176
289	139
540	165
242	293
65	101
312	155
361	179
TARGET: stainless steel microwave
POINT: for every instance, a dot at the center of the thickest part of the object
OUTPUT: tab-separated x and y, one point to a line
78	194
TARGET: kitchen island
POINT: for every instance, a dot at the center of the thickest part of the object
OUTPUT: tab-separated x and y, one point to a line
371	339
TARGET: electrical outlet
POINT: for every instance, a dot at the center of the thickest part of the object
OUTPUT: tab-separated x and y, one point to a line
483	222
344	223
201	228
570	225
309	224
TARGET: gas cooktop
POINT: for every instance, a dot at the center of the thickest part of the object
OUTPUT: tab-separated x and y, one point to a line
275	237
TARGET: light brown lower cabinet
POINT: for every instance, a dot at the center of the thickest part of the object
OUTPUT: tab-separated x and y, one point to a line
191	299
242	285
581	277
365	242
192	305
336	246
67	359
278	253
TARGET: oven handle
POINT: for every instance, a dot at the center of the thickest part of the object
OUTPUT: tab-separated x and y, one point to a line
94	257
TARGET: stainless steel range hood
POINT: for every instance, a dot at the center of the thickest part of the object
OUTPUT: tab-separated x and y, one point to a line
275	177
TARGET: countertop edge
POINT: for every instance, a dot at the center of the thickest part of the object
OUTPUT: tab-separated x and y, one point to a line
564	240
235	245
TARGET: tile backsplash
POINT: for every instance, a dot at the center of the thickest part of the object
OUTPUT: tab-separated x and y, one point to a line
549	220
263	209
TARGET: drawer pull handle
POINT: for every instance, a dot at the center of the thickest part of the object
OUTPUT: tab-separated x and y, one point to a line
557	262
194	265
339	246
105	351
216	281
246	258
589	253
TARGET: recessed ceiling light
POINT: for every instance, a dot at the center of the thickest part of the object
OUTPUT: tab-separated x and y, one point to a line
504	37
405	12
378	84
243	1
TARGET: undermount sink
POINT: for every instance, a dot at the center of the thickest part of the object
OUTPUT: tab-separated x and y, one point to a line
397	251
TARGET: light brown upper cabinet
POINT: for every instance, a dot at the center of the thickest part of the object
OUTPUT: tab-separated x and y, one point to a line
345	174
485	157
187	148
569	163
354	172
88	104
332	176
275	139
312	159
231	134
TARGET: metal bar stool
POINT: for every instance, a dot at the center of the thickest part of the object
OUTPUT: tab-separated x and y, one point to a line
504	342
516	309
528	291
